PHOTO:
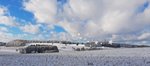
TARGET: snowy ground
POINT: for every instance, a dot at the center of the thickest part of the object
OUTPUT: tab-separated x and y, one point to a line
108	57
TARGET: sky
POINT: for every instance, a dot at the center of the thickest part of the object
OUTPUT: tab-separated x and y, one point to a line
126	21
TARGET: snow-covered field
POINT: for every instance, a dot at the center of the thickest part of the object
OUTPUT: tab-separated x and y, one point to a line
108	57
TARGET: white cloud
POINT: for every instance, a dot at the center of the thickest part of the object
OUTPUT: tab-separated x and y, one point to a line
68	27
30	28
60	36
2	10
144	36
111	16
100	19
106	17
5	37
44	11
125	37
4	29
86	9
6	20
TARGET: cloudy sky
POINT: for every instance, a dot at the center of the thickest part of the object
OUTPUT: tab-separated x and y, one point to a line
85	20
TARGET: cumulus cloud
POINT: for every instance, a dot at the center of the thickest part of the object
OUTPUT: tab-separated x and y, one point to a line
60	36
144	36
5	37
8	36
110	16
95	19
2	10
8	21
4	29
30	28
106	17
44	11
5	19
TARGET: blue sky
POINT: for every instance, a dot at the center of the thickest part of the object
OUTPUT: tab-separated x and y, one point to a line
85	20
16	9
